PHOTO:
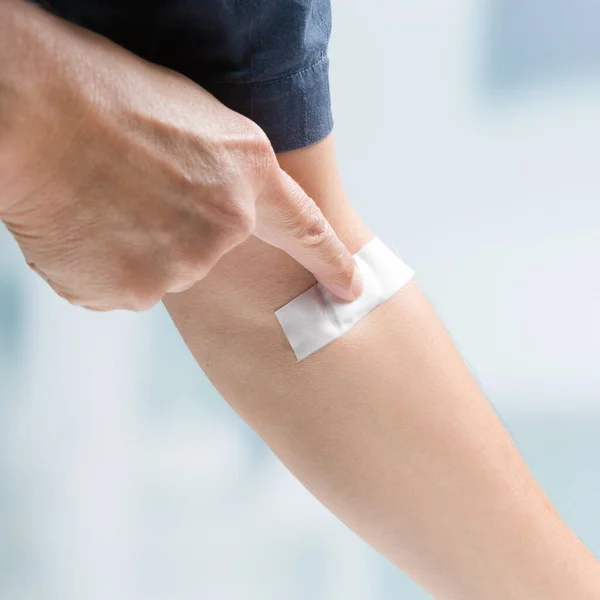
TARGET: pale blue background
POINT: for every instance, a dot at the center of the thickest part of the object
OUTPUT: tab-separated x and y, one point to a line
469	137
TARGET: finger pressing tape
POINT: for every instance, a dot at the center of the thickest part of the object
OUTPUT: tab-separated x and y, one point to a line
316	317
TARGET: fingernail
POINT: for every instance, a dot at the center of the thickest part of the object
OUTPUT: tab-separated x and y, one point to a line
358	284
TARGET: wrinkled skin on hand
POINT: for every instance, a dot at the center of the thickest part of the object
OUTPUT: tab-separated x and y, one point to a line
122	181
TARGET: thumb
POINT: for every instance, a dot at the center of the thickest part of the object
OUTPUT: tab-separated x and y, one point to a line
288	219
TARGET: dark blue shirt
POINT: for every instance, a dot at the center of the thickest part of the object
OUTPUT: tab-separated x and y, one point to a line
266	59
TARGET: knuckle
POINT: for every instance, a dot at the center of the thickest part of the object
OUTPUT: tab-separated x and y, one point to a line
256	135
236	218
140	288
187	271
260	150
181	285
194	264
314	232
228	210
141	302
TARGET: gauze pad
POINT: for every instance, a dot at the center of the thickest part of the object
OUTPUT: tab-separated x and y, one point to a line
316	317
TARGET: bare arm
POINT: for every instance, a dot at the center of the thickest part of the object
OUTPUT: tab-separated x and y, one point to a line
385	425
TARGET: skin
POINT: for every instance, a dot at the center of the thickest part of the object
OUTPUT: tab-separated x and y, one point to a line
121	180
385	425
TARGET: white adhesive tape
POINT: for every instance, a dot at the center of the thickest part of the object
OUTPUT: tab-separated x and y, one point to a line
316	317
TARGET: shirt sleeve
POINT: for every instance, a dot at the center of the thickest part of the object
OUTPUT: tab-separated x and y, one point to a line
266	59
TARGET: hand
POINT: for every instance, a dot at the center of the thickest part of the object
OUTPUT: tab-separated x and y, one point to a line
122	181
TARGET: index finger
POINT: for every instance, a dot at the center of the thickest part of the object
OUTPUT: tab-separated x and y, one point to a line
288	219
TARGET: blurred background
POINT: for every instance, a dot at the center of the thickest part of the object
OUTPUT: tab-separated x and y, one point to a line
468	134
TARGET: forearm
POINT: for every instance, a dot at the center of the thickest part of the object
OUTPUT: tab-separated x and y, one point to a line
385	425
